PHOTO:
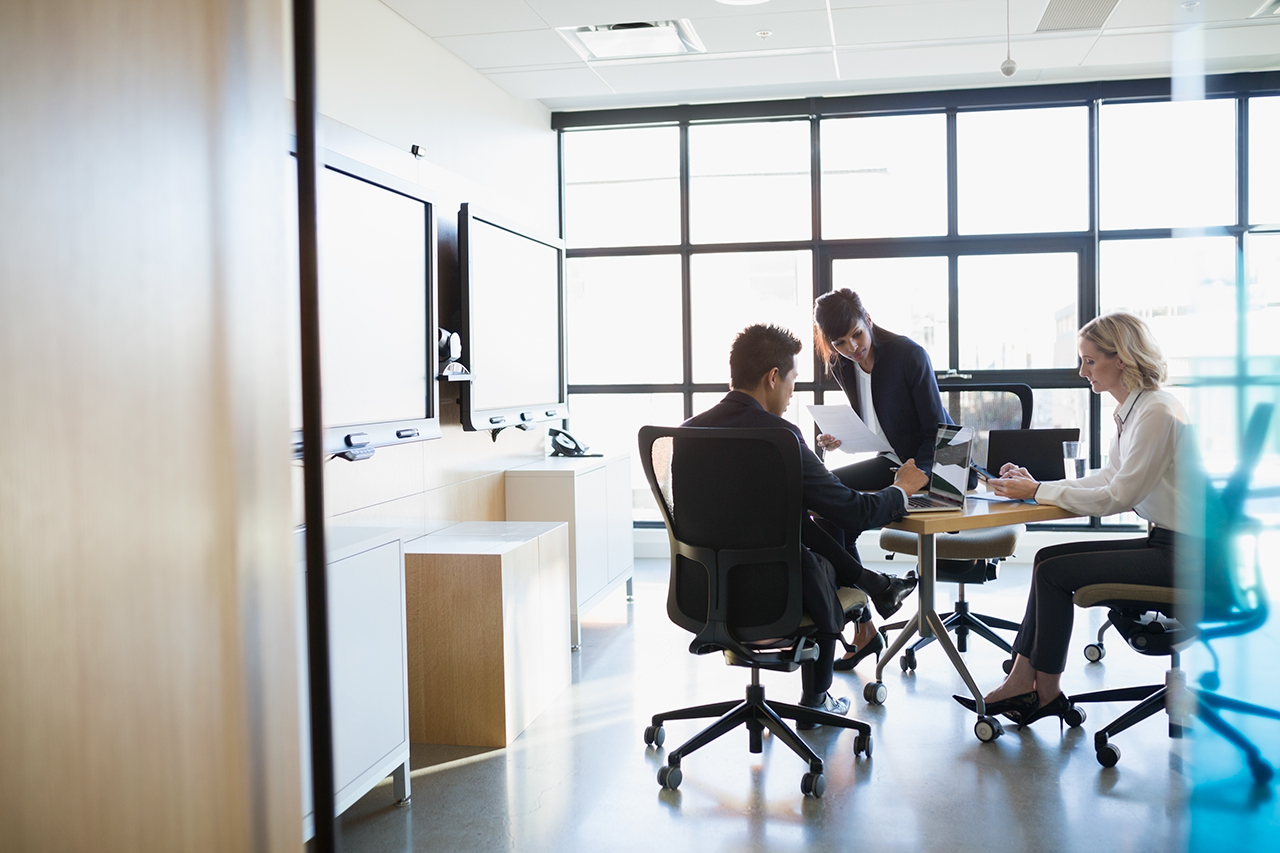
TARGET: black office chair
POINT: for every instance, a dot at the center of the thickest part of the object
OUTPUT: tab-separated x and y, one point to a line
970	556
731	499
1230	601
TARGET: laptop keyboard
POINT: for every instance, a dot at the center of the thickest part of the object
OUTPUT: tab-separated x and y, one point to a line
920	501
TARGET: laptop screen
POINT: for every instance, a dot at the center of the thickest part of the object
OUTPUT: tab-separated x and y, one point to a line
951	456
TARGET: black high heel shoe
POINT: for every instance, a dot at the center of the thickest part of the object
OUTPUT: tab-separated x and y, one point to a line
875	647
1061	707
1014	707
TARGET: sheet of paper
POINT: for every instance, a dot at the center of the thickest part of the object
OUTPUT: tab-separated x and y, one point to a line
843	423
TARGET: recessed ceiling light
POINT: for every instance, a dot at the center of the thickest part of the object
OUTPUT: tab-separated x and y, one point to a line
639	38
1191	4
742	2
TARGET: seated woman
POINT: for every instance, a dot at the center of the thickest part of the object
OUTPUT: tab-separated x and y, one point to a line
1119	357
889	381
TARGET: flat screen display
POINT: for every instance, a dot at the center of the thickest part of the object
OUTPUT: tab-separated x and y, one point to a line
513	316
376	291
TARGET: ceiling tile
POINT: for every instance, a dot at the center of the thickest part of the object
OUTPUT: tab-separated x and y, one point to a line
453	17
511	50
1157	13
1255	40
700	74
558	83
1127	48
963	19
961	59
577	13
739	33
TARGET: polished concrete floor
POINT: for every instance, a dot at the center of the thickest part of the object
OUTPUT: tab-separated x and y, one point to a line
581	778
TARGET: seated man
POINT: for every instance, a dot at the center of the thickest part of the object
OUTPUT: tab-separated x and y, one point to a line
762	376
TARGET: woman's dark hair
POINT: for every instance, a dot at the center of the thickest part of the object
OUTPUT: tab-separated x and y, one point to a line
834	314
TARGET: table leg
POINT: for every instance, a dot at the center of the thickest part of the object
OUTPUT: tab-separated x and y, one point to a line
908	631
931	622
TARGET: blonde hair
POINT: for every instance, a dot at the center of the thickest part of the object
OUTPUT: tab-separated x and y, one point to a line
1128	337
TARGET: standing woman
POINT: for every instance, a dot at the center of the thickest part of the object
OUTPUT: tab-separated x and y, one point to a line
1119	357
889	381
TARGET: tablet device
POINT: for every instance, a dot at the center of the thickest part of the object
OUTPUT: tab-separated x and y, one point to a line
1037	450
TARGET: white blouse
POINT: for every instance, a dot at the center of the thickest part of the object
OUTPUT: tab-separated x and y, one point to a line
868	413
1151	429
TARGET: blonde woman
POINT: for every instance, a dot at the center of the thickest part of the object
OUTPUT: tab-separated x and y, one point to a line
1119	357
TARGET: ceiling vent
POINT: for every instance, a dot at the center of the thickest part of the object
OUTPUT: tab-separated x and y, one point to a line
639	38
1075	15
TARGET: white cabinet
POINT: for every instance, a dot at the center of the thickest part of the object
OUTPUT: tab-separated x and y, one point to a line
368	665
593	494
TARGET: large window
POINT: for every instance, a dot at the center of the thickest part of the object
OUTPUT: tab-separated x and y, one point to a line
985	225
1023	170
884	176
749	182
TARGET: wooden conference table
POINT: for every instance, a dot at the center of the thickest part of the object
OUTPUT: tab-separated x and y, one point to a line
977	514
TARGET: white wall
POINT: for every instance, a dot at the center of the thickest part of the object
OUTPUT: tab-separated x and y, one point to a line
386	78
384	86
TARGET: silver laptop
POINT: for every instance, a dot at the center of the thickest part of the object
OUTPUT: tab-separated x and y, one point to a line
952	451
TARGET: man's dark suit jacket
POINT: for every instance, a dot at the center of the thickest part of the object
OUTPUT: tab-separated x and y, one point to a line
824	495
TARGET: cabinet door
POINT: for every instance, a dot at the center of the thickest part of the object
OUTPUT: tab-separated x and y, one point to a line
591	549
367	659
621	542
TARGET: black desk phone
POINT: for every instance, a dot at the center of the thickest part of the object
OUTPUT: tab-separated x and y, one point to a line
564	444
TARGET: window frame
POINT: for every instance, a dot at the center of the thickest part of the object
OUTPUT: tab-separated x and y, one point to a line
1086	243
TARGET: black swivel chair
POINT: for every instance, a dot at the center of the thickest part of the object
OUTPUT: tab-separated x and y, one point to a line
731	499
1231	601
970	556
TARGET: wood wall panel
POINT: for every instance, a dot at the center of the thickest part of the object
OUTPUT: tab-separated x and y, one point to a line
147	658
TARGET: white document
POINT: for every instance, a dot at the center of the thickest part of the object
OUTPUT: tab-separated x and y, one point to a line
843	423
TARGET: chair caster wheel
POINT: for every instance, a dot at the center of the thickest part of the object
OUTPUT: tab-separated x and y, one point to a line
1095	652
1108	755
654	735
875	693
1007	665
669	777
862	745
1074	716
813	784
908	661
1261	771
1210	681
987	729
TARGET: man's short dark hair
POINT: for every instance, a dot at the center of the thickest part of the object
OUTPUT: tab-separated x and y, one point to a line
758	349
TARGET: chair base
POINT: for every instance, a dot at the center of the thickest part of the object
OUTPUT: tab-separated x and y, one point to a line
756	714
959	622
1175	694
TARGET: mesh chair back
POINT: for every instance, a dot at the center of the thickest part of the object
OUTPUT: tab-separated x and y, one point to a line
731	500
985	407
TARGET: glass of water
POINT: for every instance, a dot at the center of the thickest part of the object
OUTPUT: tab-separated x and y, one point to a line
1073	459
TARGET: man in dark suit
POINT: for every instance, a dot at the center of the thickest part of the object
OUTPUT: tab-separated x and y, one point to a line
762	376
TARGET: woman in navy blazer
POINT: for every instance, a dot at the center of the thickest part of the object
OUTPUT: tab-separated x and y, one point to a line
889	381
903	392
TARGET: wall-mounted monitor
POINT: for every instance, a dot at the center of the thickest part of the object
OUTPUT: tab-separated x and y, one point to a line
377	280
513	314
